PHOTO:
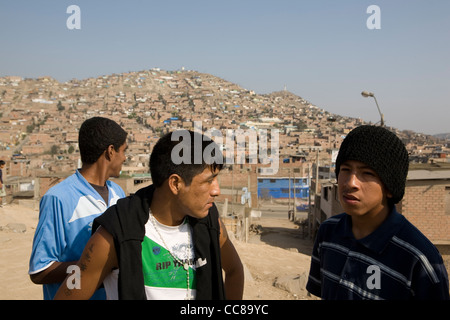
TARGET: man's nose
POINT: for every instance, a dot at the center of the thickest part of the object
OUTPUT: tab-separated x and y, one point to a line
215	191
352	180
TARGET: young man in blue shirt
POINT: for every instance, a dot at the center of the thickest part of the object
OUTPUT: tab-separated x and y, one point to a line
371	251
68	209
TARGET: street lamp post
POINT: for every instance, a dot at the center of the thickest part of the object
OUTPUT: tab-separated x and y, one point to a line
366	94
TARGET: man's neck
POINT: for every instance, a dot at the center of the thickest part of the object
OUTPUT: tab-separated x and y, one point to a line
364	225
164	206
94	174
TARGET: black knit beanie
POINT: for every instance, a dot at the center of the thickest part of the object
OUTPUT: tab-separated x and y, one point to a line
381	150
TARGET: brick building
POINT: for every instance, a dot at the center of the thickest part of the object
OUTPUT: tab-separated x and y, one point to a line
427	202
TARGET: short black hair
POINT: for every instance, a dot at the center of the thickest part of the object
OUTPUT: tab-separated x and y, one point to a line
2	162
96	135
186	157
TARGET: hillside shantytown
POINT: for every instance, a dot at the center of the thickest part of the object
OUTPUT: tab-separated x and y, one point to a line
40	118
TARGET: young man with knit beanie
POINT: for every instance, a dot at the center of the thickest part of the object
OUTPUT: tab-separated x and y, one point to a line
371	251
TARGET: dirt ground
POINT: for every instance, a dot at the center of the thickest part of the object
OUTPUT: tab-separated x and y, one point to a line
276	260
15	250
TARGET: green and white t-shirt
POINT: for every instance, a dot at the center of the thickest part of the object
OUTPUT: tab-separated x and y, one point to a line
164	277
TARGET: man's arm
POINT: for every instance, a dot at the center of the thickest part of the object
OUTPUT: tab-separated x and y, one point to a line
232	265
314	284
97	261
49	244
55	273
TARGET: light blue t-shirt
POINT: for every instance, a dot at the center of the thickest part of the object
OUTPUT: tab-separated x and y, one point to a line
66	214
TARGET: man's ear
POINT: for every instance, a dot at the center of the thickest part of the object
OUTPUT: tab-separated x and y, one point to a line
109	152
175	183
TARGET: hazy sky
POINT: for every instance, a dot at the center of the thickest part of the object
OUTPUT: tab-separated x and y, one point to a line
322	51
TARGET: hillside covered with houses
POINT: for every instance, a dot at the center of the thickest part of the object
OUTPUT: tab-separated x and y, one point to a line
39	120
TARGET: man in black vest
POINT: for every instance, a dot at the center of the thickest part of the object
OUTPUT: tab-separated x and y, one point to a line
167	240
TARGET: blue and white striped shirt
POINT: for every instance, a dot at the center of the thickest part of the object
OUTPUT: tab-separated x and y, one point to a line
395	262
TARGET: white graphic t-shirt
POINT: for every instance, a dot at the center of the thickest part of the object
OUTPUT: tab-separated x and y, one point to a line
164	277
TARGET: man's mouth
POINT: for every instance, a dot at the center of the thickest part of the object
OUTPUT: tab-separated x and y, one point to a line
350	198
